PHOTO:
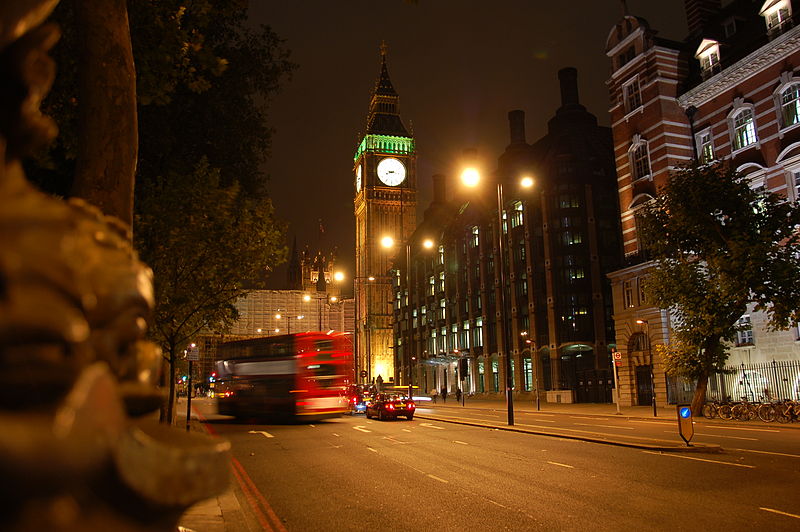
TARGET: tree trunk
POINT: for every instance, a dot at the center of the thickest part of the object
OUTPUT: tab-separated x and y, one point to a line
107	123
699	398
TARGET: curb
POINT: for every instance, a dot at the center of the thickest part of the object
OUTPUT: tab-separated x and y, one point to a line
696	448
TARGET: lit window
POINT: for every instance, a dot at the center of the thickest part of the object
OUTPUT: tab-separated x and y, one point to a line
441	281
475	234
632	95
516	217
744	129
705	146
628	294
708	55
744	331
790	105
640	158
778	16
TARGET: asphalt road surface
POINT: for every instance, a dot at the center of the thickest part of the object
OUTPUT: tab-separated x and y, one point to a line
357	474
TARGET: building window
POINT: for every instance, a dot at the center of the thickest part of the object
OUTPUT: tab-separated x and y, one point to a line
566	201
632	95
626	57
431	286
442	308
572	237
790	105
744	331
705	146
743	128
708	55
628	294
640	159
473	243
516	216
729	27
424	315
777	15
441	281
796	178
477	333
573	274
642	298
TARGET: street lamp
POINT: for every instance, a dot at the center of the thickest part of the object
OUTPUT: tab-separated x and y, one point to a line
650	353
471	178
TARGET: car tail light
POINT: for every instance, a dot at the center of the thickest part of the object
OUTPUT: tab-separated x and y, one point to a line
411	406
390	406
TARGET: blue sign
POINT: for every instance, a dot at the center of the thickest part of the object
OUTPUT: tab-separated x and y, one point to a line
685	412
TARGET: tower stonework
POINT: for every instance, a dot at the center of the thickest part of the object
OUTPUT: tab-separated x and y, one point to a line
385	187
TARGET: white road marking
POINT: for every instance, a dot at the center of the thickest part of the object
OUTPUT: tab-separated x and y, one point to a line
460	442
604	426
263	433
361	428
740	428
431	425
395	441
371	449
312	426
498	504
562	465
592	418
434	477
649	422
767	452
336	435
779	512
406	430
701	459
719	436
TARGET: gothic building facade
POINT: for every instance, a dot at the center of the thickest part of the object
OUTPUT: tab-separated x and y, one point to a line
730	91
560	240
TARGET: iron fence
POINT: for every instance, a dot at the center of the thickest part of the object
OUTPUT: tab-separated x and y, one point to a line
761	382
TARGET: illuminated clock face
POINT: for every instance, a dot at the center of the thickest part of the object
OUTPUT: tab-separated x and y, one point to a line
358	178
391	171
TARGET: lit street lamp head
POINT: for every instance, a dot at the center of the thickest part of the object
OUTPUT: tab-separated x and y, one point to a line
387	242
470	177
526	182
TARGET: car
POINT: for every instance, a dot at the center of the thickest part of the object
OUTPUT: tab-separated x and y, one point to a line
390	405
357	398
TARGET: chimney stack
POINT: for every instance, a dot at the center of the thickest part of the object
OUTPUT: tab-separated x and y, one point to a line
698	13
516	124
569	86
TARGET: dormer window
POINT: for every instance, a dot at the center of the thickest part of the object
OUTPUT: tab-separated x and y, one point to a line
729	27
626	56
778	16
708	55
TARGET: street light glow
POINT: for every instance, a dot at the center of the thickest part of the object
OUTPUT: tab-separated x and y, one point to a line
526	182
387	242
427	243
470	177
338	276
370	278
306	298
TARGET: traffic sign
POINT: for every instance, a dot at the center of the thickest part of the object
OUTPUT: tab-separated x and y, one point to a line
685	423
617	355
193	354
617	362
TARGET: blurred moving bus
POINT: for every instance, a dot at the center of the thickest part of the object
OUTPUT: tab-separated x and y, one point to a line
301	375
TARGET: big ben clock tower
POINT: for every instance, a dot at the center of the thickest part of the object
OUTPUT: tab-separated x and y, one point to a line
385	185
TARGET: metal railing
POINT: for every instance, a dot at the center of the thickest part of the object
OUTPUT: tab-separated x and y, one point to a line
779	379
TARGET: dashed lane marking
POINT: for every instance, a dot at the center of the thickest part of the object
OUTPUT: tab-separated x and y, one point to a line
361	428
498	504
604	426
561	465
779	512
740	428
460	442
431	425
701	459
592	418
312	426
406	430
434	477
336	435
767	452
371	449
263	433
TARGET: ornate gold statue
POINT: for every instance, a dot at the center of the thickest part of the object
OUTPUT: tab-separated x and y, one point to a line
79	446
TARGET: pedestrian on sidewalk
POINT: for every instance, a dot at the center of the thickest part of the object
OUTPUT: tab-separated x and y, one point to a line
434	393
458	395
444	394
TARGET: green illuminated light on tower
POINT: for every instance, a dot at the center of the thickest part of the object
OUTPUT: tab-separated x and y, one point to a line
385	144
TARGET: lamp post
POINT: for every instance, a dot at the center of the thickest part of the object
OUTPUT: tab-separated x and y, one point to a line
650	353
471	178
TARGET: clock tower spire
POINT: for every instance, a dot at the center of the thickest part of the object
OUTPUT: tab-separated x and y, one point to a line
385	205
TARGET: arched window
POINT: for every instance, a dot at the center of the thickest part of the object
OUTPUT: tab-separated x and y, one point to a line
742	125
790	105
639	155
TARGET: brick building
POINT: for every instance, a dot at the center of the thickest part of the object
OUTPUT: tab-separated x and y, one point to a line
730	90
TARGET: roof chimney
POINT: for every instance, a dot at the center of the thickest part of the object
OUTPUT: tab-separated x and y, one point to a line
569	86
698	13
516	124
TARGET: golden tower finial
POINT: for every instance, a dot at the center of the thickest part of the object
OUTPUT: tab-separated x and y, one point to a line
384	48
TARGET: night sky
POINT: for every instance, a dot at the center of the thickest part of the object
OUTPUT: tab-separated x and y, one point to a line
459	66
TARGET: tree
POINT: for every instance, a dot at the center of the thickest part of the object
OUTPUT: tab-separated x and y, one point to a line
203	242
719	245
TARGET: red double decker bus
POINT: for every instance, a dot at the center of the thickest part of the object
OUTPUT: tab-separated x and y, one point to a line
301	375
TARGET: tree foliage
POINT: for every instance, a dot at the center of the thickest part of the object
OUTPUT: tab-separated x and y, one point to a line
719	245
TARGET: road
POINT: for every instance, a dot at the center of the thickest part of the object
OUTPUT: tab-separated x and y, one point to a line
356	474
